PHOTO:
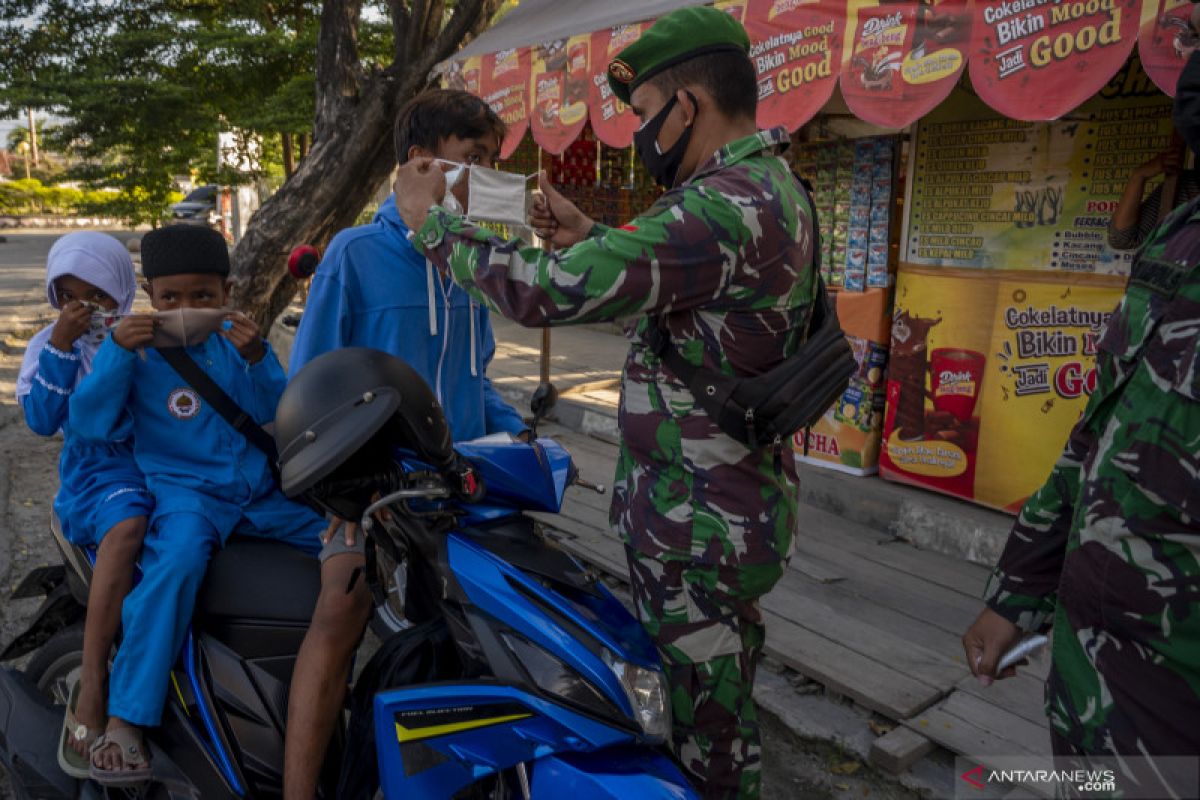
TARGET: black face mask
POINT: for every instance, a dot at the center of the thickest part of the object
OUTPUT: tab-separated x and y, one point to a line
1186	113
663	167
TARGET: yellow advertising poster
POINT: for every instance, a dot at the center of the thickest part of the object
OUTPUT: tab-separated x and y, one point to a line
998	193
989	371
846	438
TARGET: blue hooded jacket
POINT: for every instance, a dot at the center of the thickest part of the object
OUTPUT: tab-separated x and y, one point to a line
373	289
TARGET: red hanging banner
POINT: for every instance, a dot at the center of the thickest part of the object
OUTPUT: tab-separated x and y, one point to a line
504	85
1165	42
1039	59
612	120
905	59
796	48
558	81
464	75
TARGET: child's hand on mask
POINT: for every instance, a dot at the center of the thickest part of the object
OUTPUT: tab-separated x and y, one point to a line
244	333
135	331
74	321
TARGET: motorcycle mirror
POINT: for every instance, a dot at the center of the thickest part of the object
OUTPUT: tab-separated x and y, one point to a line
545	397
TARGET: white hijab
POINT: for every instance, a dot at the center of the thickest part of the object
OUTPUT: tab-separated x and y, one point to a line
98	259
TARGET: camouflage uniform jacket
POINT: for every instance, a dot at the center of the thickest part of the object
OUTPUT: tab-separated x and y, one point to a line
726	259
1108	548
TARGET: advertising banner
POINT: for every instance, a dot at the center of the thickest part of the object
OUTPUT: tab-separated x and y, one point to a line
796	47
465	75
1165	41
989	372
996	193
612	120
847	437
558	85
1039	59
905	59
505	87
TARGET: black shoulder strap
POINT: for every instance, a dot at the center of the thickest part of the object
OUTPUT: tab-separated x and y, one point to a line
222	403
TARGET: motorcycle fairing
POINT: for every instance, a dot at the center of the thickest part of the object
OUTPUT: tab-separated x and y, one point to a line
435	739
618	773
515	599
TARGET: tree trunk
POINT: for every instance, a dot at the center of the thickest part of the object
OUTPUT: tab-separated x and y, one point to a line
351	153
289	158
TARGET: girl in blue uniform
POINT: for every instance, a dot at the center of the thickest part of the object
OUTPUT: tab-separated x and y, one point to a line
102	501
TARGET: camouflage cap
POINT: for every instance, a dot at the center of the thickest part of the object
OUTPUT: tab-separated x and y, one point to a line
676	37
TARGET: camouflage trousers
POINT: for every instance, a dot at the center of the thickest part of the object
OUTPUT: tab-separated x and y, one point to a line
708	626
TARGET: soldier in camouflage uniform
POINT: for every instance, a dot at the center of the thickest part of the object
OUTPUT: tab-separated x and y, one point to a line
725	259
1108	550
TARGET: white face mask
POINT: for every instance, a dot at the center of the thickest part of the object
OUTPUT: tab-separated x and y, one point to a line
492	195
101	325
187	327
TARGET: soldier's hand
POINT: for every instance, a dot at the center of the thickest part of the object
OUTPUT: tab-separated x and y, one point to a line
989	638
73	321
420	185
555	218
135	331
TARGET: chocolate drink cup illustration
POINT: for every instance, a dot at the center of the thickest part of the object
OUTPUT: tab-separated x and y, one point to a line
577	73
957	375
909	368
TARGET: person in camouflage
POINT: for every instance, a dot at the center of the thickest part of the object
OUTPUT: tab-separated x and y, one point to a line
1107	552
725	259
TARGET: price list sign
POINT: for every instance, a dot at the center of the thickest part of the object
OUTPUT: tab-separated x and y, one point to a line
996	193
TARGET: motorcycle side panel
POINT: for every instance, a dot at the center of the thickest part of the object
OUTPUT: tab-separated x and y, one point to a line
29	730
619	773
436	739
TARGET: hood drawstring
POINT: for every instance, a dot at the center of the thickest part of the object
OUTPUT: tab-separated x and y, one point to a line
474	357
429	279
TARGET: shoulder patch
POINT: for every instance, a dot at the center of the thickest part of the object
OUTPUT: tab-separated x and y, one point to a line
621	71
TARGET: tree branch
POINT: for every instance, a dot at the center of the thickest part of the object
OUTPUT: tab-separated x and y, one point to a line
338	66
469	18
401	20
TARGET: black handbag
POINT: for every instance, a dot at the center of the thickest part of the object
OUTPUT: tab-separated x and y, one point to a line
770	408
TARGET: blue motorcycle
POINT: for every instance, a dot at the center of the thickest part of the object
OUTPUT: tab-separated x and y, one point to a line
512	672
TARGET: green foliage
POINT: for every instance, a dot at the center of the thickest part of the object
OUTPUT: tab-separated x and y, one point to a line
145	87
32	198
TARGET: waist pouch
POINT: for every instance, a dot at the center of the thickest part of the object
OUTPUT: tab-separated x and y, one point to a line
769	408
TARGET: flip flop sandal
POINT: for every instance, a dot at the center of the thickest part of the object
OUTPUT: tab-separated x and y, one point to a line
135	767
73	764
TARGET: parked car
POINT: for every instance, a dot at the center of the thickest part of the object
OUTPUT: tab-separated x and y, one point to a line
199	207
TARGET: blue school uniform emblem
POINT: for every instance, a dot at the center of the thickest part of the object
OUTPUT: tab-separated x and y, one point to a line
183	404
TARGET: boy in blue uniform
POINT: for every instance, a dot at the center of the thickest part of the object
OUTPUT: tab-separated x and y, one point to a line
373	289
208	481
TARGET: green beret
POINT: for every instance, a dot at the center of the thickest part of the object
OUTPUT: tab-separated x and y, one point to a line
676	37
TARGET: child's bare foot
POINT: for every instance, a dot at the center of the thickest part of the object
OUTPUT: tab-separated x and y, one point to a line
119	757
89	711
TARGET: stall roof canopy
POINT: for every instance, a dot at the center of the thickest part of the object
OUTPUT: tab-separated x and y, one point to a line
543	66
535	21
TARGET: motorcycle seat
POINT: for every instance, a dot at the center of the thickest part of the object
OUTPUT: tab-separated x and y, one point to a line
260	581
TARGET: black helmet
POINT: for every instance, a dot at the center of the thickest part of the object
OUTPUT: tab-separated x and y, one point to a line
343	401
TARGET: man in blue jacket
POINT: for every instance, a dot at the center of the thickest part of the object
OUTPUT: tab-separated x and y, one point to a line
373	289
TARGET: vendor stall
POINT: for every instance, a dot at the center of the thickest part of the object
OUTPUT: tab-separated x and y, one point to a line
966	158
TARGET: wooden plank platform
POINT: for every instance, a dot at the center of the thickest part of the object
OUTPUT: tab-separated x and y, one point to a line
869	617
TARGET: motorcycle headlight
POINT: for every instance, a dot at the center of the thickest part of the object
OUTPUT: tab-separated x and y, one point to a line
647	692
